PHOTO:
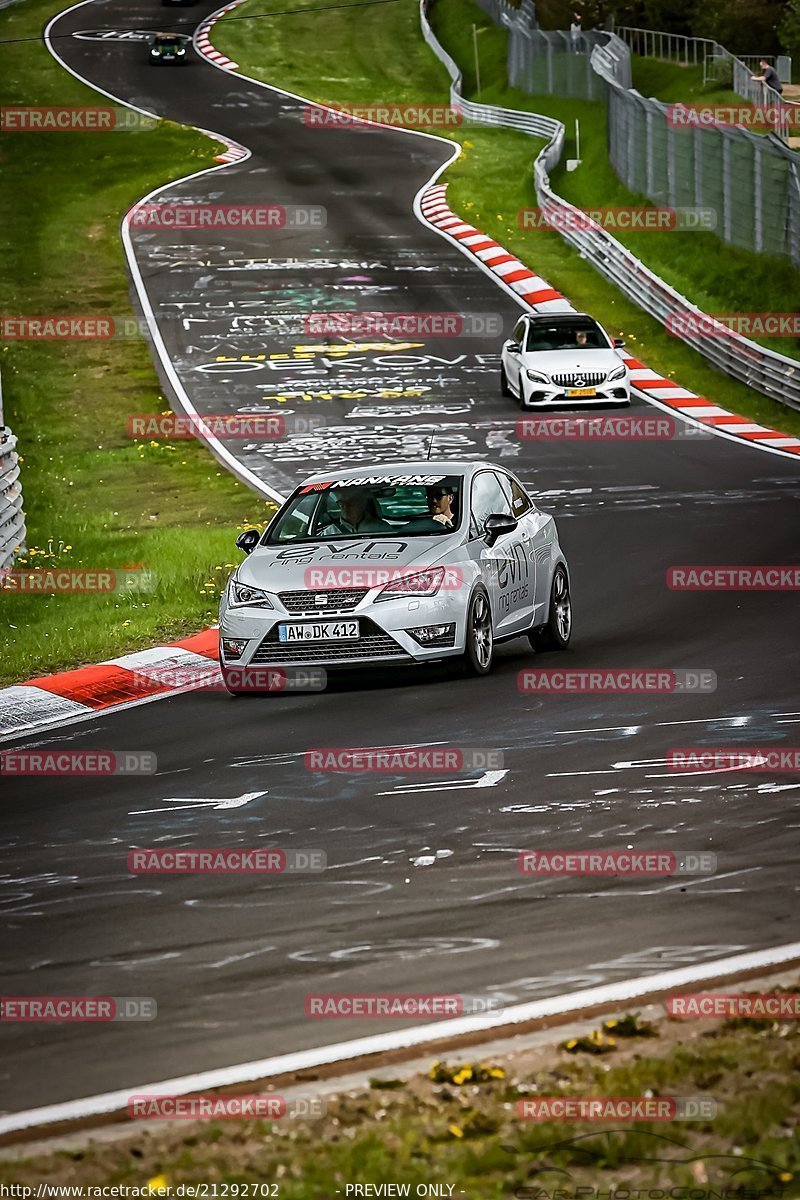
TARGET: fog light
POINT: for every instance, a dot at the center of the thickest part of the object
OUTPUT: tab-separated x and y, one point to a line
434	635
233	647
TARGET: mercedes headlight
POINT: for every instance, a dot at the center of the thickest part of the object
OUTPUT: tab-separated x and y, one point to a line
617	373
424	583
537	377
242	595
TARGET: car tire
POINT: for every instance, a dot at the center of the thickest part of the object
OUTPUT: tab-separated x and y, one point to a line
479	647
505	390
555	634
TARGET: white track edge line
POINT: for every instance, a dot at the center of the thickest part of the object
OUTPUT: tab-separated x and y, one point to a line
624	992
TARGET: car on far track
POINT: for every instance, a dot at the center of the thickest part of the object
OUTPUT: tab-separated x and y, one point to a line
410	562
563	358
169	48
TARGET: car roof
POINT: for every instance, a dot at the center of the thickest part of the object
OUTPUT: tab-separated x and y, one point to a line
422	466
560	318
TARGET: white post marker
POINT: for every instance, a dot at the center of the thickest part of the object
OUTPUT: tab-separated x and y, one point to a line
573	163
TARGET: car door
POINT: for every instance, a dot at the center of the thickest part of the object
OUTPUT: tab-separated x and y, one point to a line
513	358
538	532
504	566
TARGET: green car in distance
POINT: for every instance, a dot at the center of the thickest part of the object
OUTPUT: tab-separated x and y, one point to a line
169	48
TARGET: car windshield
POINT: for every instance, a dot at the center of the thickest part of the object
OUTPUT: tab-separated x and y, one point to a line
168	42
427	506
566	335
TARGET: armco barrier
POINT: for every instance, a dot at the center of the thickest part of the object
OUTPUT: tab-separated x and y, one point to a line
12	518
766	371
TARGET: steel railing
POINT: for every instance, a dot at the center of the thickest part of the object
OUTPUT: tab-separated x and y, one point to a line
739	71
12	518
770	373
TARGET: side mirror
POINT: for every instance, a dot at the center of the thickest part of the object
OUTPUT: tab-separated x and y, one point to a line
512	347
618	343
248	540
496	524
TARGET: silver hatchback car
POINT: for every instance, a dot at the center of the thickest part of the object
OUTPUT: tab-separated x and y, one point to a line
401	563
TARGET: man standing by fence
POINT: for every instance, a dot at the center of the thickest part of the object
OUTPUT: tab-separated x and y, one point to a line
575	32
769	76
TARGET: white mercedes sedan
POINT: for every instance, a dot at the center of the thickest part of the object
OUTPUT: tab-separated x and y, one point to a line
563	358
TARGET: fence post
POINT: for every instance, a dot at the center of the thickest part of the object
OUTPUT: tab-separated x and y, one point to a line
758	199
727	215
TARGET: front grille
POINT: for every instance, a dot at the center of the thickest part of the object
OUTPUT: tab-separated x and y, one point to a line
373	643
579	379
337	600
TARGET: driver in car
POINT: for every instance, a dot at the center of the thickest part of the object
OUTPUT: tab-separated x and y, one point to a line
358	514
440	505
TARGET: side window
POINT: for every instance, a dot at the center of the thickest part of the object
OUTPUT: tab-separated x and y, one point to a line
520	500
487	497
519	332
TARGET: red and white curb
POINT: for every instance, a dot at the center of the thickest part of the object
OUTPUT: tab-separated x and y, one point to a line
233	152
134	678
202	42
531	288
540	296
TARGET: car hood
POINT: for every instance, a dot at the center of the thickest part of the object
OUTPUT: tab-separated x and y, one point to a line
553	362
316	565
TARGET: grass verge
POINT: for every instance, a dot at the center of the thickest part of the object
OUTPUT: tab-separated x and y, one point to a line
94	498
460	1126
377	55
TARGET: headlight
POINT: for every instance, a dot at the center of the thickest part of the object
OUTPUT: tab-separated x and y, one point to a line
425	583
154	52
181	50
241	595
617	373
537	377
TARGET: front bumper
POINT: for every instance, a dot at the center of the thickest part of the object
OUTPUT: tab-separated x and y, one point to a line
540	395
384	637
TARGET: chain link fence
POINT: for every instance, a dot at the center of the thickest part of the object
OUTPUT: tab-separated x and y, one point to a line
772	374
12	518
751	181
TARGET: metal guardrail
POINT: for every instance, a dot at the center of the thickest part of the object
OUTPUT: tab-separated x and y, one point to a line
772	374
12	518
